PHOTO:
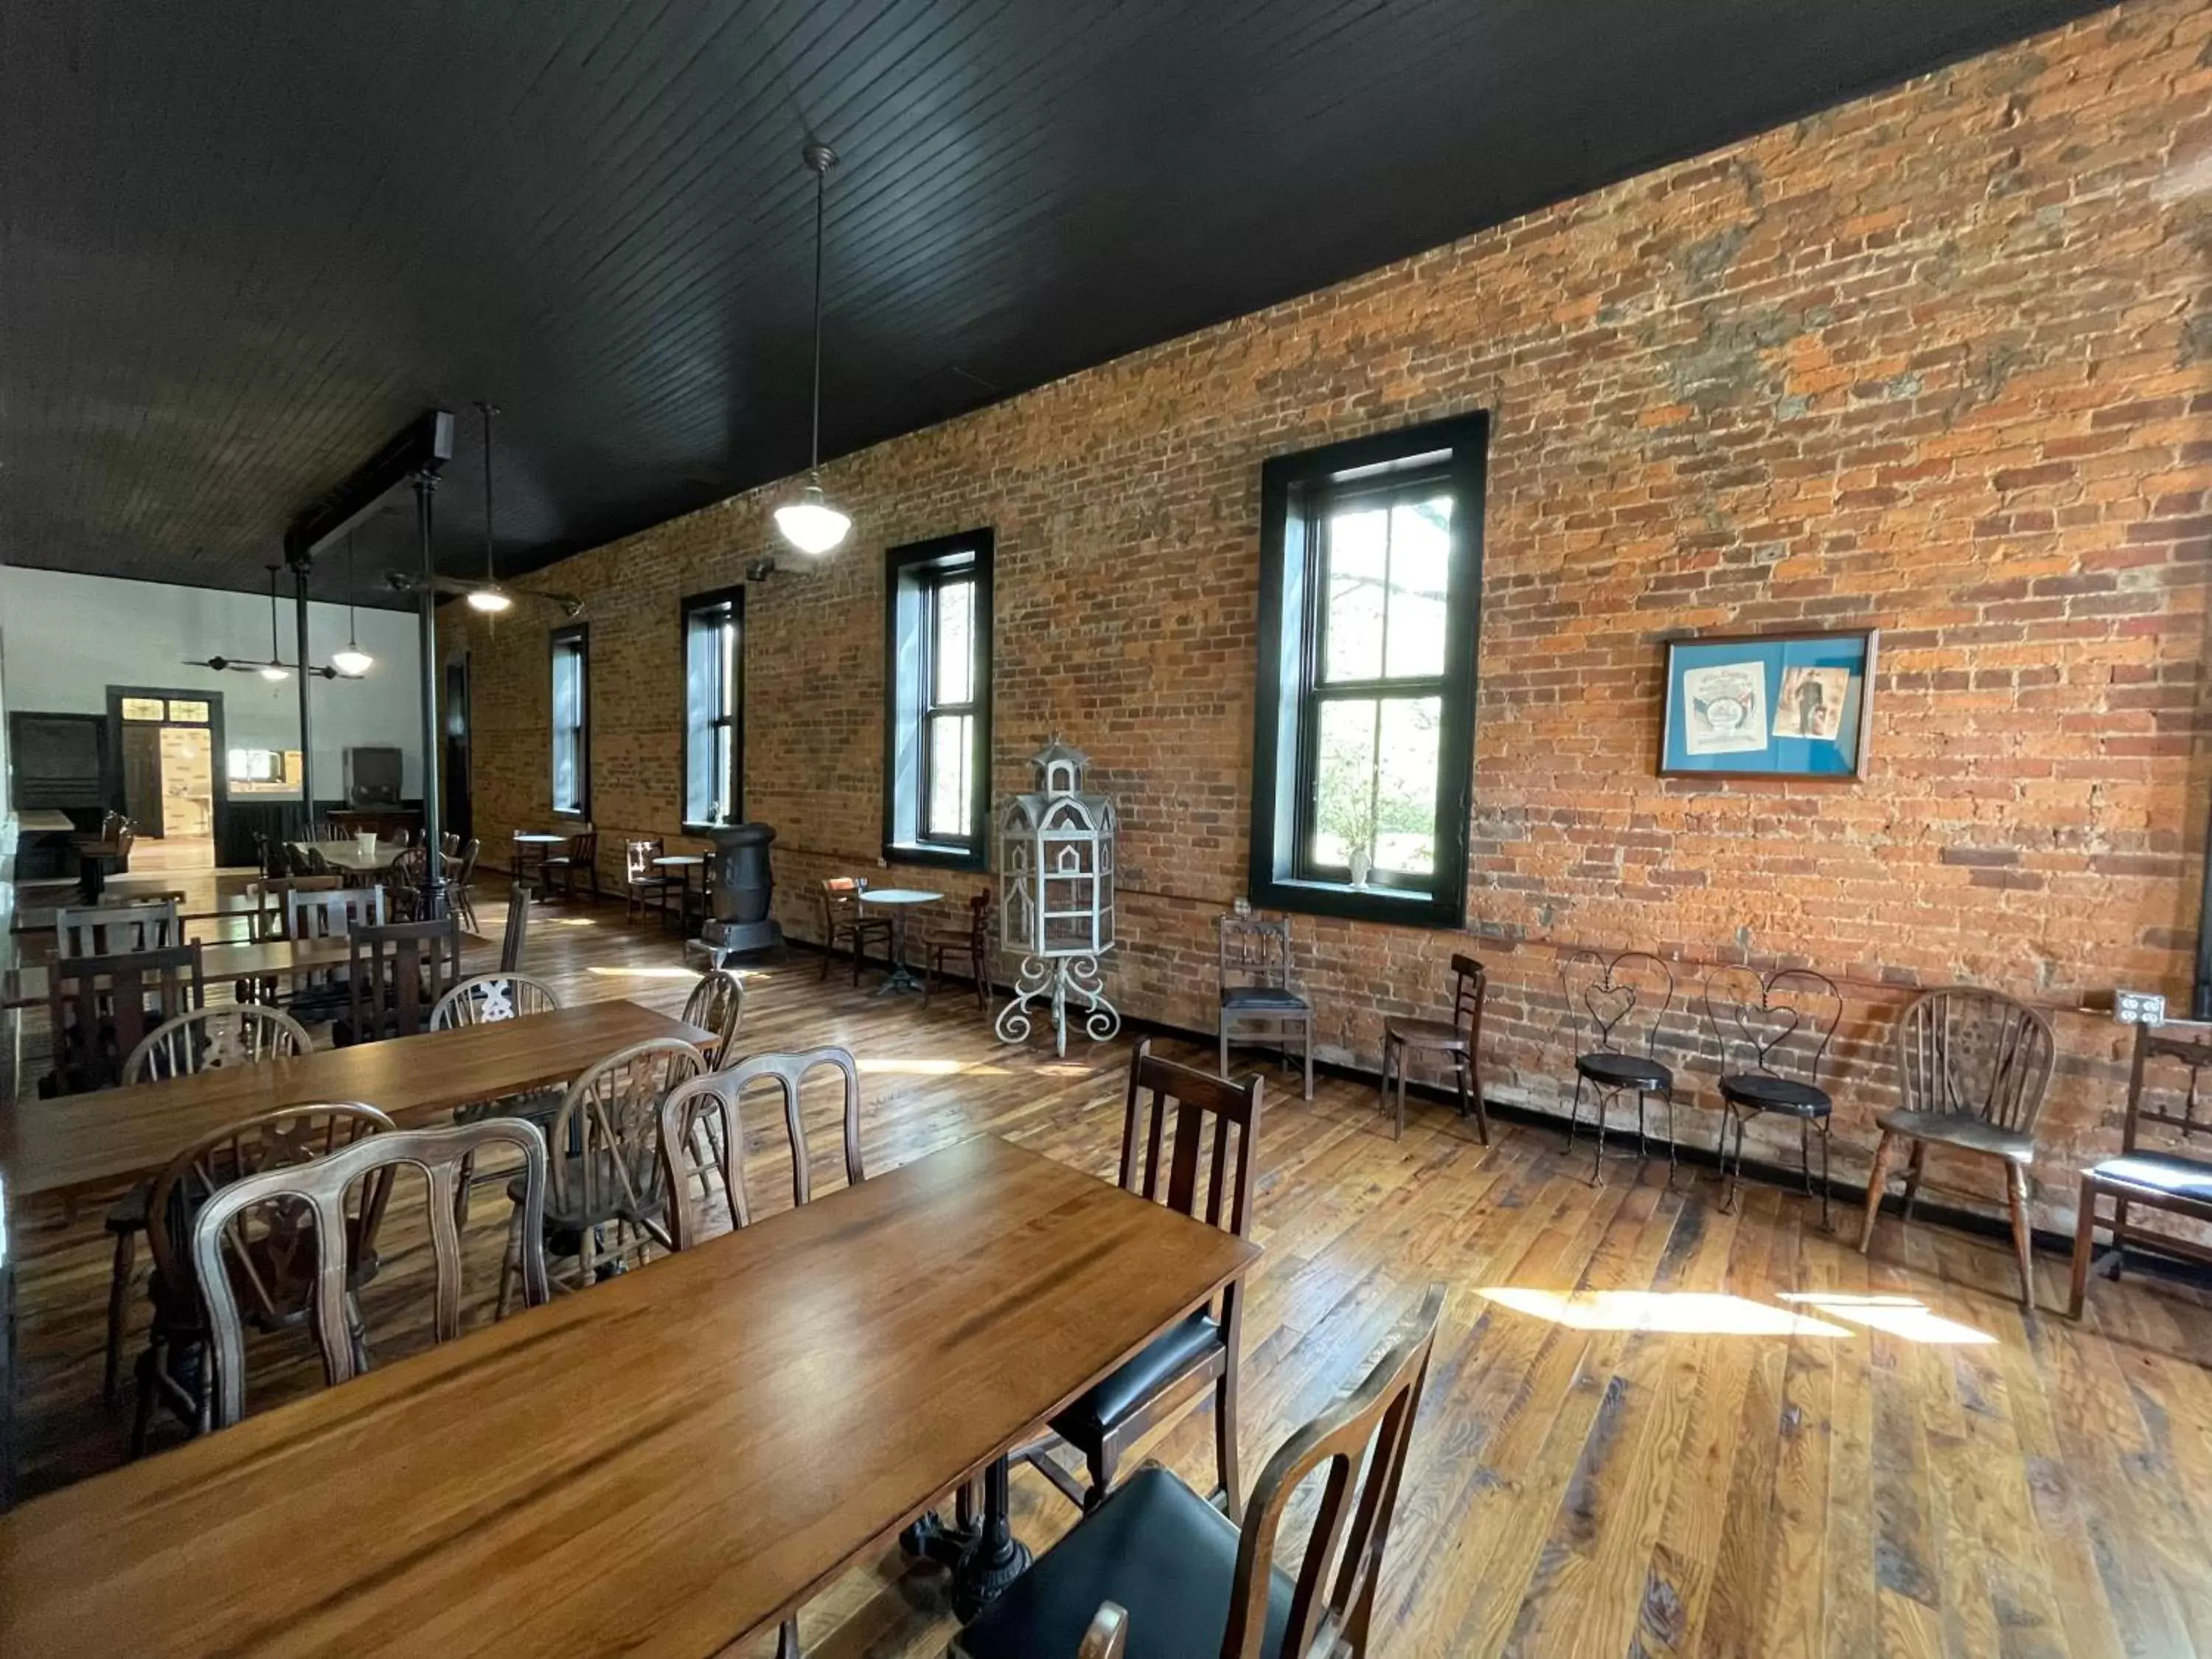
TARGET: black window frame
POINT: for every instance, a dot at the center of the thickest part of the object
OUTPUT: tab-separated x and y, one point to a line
717	602
576	638
912	574
1296	492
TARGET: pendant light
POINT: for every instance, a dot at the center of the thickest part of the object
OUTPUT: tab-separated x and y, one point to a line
811	524
276	668
353	662
490	598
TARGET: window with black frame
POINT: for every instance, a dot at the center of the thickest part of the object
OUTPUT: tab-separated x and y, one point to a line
1371	561
937	700
572	763
714	713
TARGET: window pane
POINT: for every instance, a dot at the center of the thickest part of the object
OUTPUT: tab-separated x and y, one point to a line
952	652
142	708
1406	786
727	636
725	803
951	740
190	713
1344	781
1420	573
1359	566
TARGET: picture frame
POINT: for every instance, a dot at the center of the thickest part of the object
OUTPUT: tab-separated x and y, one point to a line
1795	705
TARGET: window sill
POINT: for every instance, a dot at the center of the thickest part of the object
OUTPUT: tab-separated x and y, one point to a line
977	859
1396	906
574	814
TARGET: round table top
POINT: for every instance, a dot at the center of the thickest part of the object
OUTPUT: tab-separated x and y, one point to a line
898	896
538	835
682	857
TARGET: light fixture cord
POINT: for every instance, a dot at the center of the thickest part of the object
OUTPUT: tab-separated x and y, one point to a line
274	655
352	643
821	186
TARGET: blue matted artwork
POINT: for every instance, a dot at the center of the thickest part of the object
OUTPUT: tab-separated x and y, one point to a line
1768	706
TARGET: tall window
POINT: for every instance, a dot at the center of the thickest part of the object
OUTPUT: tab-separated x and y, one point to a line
937	716
572	722
713	718
1364	752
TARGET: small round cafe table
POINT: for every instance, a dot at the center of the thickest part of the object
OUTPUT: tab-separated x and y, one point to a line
899	901
682	865
537	844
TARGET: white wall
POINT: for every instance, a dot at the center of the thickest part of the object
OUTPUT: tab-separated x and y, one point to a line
67	638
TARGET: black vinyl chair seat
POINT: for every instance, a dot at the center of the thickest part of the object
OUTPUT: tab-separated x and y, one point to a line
1154	1546
1613	1071
1253	997
1095	1413
1766	1093
2164	1173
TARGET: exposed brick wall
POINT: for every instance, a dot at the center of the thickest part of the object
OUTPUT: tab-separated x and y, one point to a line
1936	360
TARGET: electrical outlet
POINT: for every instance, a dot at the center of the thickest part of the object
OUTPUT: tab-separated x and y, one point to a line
2139	1008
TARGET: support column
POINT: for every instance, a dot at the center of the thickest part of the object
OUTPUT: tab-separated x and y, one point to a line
426	617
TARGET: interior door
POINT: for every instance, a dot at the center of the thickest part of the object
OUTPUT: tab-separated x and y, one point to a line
142	778
459	814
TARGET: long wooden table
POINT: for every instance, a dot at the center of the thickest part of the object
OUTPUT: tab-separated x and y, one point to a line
656	1466
118	1134
220	959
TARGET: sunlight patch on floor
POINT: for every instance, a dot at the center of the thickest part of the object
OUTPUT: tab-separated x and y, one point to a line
645	973
1681	1313
1907	1316
931	1067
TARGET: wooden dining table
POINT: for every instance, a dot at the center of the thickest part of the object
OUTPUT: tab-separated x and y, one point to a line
657	1465
27	986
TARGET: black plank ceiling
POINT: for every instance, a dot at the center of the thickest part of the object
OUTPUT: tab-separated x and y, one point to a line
243	241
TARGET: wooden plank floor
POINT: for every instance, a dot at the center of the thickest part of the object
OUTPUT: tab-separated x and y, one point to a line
1676	1468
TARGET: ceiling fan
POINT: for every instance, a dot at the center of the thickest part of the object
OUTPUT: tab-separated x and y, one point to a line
460	588
276	668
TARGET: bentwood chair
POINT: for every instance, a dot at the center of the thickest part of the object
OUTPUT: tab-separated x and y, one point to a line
1202	1349
275	1199
717	1004
703	1138
1772	1032
2168	1178
273	1269
1460	1038
397	975
1973	1068
100	1009
1259	995
1615	1006
969	943
604	1197
1156	1572
460	892
205	1040
405	878
844	918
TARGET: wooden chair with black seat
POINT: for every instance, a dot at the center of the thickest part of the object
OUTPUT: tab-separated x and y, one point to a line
1973	1068
2171	1178
148	922
322	1188
100	1009
1167	1104
969	943
325	908
273	1272
578	856
1260	998
644	883
843	917
395	977
1156	1572
205	1040
1459	1039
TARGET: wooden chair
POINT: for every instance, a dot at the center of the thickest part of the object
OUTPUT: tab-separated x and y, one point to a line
717	1004
396	976
1973	1068
580	857
604	1197
404	879
100	1009
108	853
2174	1181
1772	1032
1460	1038
971	944
1156	1568
1609	1001
206	1040
320	1187
114	930
702	1135
1259	995
486	999
273	1271
843	918
460	893
518	927
643	881
1103	1423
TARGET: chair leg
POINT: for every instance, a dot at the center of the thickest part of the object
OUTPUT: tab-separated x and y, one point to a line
118	1304
929	961
2016	1201
982	980
2085	1244
2120	1236
1309	1031
1102	1463
141	1415
787	1641
828	949
1877	1178
1912	1174
1222	1027
1827	1146
1224	1440
509	1263
1673	1151
1405	1053
1383	1084
1459	1075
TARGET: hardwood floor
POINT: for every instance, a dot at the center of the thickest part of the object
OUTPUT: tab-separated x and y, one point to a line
1633	1442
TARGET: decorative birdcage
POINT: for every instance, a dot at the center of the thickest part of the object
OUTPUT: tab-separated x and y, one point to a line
1056	898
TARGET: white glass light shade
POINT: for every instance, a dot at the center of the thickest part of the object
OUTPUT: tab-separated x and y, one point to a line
274	672
352	662
811	524
490	601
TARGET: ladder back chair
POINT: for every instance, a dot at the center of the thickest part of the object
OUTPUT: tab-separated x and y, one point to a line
969	942
1158	1570
320	1187
120	928
1615	1007
2174	1178
843	917
325	908
1973	1068
717	1004
1772	1032
1259	994
702	1133
518	927
397	973
100	1009
1210	1180
270	1272
1459	1037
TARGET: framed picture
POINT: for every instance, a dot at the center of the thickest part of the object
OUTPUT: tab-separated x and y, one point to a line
1768	706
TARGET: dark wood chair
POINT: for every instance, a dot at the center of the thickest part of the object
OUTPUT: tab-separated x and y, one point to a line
644	883
100	1009
1973	1068
717	1004
149	923
272	1272
320	1188
1203	1347
1772	1032
1156	1569
518	927
1615	1006
1459	1037
970	944
2170	1179
1259	994
402	881
844	918
460	892
104	854
580	857
397	973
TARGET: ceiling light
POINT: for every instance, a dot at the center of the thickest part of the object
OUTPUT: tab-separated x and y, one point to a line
352	662
490	601
811	524
274	671
276	668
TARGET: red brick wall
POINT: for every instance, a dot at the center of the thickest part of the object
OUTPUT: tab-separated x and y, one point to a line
1936	362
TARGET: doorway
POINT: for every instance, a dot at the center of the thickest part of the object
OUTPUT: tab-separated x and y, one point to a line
172	788
459	814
